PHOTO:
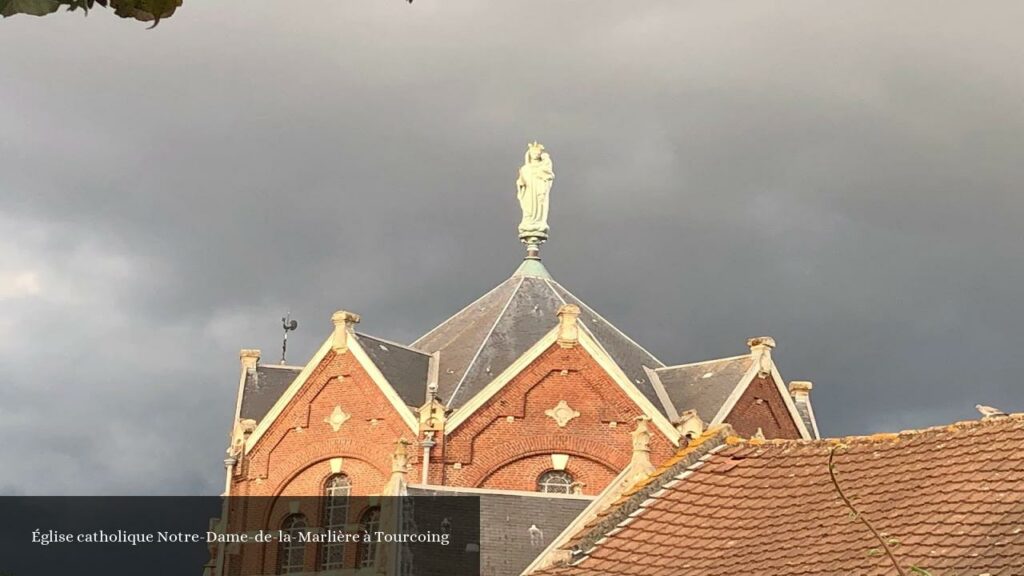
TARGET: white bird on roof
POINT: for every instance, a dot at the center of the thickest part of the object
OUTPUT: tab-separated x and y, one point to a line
989	412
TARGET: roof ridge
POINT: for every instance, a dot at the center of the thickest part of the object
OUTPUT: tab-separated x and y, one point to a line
605	320
497	319
461	310
881	436
392	343
280	366
687	365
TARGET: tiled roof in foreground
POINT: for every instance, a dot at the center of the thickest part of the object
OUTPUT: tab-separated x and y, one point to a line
949	500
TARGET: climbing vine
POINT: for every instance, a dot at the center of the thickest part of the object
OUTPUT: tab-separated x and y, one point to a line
886	542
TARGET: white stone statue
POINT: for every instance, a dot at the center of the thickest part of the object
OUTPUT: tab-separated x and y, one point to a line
534	187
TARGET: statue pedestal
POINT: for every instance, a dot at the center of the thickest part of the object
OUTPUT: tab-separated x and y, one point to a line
532	246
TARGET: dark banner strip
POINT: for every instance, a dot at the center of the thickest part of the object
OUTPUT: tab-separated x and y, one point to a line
238	536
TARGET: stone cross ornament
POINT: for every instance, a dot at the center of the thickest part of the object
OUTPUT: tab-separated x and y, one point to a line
533	189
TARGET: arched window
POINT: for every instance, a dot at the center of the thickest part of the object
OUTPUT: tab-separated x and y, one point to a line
335	515
555	482
291	555
370	522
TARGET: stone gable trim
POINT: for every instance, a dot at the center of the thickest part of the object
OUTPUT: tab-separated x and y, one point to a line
742	386
659	389
487	337
389	391
606	362
275	411
594	349
594	313
300	381
463	413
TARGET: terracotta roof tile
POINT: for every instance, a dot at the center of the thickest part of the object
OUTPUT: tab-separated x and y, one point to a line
948	499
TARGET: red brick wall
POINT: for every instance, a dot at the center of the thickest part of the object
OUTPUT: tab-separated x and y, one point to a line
762	406
292	457
524	473
497	452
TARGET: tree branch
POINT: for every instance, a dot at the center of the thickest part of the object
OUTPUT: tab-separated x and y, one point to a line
857	514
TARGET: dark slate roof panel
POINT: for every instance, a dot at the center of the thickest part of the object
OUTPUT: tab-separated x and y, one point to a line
703	386
531	313
459	337
263	387
805	414
506	547
630	356
404	368
486	337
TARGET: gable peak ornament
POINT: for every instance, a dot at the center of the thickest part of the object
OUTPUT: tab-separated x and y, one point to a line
336	418
561	413
533	189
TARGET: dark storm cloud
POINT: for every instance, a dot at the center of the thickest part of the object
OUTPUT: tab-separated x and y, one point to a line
843	178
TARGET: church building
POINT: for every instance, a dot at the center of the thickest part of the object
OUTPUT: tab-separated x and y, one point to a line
525	393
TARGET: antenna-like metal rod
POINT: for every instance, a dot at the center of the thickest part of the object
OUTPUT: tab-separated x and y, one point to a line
288	325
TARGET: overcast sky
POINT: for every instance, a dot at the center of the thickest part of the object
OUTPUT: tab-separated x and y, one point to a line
846	178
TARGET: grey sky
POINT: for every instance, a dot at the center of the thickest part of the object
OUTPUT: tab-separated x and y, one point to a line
845	178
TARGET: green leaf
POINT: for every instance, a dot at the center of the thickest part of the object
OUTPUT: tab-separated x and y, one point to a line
920	571
145	10
874	552
30	7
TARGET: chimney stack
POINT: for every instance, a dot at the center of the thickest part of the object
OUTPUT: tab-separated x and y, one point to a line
800	389
344	323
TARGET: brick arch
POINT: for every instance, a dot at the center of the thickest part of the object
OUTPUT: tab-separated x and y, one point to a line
296	463
523	473
610	457
274	513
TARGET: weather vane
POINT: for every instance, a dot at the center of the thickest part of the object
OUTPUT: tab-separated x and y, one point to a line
288	325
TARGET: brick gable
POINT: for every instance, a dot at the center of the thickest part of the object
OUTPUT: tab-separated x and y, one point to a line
507	443
293	455
762	406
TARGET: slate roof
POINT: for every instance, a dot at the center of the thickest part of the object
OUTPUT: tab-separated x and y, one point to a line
406	369
703	386
506	547
483	339
263	387
950	500
804	409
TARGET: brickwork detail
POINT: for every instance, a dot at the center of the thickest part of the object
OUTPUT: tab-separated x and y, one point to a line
293	455
762	406
508	441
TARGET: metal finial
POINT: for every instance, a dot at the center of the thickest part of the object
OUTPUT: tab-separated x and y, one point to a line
287	324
